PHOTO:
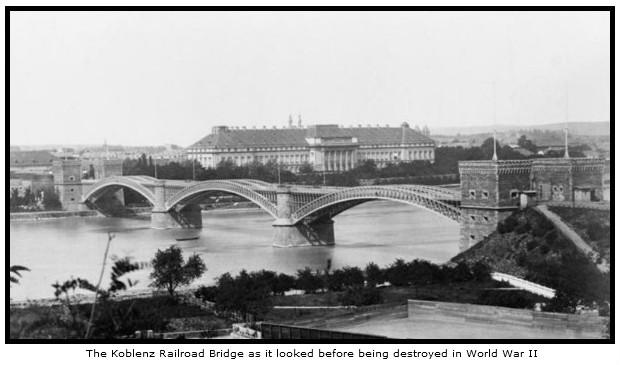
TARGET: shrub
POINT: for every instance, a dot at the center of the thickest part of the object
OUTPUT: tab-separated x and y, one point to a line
481	271
530	245
507	225
309	281
208	293
373	274
398	273
360	295
506	298
523	228
460	273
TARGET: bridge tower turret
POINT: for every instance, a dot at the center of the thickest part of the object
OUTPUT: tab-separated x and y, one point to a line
490	192
68	183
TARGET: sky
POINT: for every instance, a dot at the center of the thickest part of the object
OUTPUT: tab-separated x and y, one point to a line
148	78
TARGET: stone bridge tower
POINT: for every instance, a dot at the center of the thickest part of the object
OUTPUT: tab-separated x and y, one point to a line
490	192
68	183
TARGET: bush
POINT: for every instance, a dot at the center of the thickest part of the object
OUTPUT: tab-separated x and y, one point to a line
208	293
507	225
373	274
283	283
360	296
398	273
309	281
532	244
481	271
523	228
506	298
460	273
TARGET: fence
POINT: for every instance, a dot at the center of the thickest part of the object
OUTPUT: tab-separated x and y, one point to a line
524	284
283	332
576	326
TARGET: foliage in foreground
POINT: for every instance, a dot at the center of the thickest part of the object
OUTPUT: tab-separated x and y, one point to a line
171	271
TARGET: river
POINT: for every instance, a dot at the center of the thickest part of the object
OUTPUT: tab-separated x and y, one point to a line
56	250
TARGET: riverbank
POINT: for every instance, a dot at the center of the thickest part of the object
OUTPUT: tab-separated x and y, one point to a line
31	216
59	214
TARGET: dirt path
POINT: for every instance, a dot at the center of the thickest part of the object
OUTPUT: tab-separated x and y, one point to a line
569	233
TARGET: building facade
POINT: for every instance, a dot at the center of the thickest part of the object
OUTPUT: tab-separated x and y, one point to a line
493	190
326	147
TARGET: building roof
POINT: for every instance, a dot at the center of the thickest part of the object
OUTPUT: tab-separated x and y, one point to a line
296	137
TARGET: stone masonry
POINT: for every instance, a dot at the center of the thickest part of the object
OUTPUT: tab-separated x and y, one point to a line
492	190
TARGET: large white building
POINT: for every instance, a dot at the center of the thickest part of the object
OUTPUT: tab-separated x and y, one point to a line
325	147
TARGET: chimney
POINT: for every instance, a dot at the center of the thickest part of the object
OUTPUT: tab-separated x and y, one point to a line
299	120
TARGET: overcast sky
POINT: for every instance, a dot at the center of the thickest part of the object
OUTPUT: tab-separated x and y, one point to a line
146	78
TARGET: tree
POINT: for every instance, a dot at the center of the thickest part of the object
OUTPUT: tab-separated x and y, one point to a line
283	283
398	273
527	144
306	168
309	281
245	293
14	273
373	274
51	200
170	271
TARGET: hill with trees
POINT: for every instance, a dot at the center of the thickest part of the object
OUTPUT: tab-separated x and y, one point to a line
527	245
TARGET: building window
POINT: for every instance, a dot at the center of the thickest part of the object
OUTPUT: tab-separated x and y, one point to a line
486	219
514	194
473	218
72	190
472	194
71	178
485	194
472	237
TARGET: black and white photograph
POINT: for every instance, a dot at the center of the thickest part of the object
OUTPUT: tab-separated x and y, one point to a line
309	175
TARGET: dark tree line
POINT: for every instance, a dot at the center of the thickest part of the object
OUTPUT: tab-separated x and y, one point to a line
251	293
28	201
420	172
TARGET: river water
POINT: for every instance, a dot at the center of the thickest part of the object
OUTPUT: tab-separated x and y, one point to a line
56	250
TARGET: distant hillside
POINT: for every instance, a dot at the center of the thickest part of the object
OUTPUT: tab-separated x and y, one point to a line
578	128
527	245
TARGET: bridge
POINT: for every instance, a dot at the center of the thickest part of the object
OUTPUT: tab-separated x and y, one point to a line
489	192
302	214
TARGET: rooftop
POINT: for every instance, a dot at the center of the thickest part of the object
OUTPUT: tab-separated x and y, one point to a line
223	137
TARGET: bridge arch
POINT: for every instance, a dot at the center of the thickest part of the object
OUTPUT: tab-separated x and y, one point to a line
194	191
335	203
134	183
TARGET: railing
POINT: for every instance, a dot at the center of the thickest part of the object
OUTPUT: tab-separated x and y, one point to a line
122	181
410	195
524	284
224	185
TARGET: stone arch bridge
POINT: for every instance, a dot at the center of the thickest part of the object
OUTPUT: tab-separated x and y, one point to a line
303	214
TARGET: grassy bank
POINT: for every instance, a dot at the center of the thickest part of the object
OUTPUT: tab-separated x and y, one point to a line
529	246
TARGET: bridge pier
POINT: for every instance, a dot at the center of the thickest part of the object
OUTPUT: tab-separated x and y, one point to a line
314	234
288	234
188	217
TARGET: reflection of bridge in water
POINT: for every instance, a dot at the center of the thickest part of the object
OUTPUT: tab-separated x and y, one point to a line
303	214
